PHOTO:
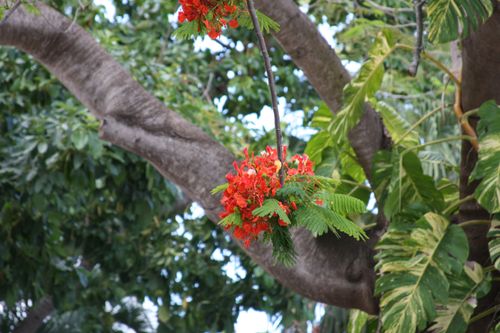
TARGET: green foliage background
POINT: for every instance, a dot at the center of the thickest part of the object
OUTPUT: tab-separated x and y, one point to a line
93	226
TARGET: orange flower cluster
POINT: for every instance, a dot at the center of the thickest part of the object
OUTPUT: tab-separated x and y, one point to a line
257	179
212	14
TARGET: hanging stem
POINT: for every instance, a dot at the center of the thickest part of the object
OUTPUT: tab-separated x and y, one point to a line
272	86
419	47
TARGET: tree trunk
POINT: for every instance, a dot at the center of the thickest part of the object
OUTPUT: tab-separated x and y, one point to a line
480	83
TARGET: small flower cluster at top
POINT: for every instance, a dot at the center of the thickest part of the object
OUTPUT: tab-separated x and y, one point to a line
257	179
212	14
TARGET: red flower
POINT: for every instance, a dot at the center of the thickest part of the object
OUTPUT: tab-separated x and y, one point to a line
233	23
211	13
254	180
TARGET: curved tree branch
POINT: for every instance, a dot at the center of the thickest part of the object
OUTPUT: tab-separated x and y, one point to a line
35	316
300	38
329	270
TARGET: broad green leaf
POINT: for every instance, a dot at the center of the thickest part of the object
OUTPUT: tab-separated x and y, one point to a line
359	28
316	145
357	321
465	288
363	86
322	117
494	243
79	139
414	267
410	185
397	126
350	164
449	17
488	165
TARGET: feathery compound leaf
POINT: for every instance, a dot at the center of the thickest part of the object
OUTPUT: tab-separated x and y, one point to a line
230	220
363	86
269	208
266	23
396	125
413	271
347	227
494	243
318	220
314	219
488	166
283	250
293	189
220	188
342	204
188	29
447	17
465	289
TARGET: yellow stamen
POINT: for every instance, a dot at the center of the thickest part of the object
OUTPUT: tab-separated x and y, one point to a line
278	165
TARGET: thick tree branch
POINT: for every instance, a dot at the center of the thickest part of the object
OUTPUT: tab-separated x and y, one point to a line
35	316
329	270
300	38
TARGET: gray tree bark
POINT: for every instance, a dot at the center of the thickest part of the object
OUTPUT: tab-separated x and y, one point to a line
35	316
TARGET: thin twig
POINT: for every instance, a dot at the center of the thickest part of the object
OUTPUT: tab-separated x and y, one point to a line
272	87
13	9
419	47
206	92
485	313
475	223
467	128
388	10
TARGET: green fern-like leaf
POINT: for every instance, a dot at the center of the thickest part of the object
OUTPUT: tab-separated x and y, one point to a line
318	220
413	269
220	188
363	87
454	316
266	23
269	208
188	30
315	219
233	219
293	189
283	250
447	17
342	204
